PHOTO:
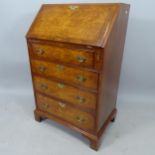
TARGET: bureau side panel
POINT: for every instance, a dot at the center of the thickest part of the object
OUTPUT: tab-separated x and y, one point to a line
109	78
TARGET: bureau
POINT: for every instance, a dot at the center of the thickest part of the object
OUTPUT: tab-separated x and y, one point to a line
75	53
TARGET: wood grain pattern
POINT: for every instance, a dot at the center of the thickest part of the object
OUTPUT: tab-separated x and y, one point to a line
71	56
88	24
113	53
79	77
64	111
65	92
79	95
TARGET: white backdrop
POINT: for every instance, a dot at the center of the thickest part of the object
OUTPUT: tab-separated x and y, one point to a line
135	125
137	79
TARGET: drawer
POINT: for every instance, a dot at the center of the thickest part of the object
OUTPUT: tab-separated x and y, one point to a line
65	92
72	56
77	76
79	118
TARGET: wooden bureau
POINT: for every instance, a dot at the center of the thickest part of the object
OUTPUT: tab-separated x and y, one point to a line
75	53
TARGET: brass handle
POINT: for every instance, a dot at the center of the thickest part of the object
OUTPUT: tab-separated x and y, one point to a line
81	78
81	99
45	105
40	51
60	67
80	119
62	105
43	87
81	59
60	85
73	7
42	68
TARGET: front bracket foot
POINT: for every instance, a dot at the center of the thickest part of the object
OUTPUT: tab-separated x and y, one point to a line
37	117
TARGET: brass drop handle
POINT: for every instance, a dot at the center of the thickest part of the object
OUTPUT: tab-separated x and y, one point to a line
62	105
81	99
42	68
45	105
80	119
59	67
81	78
43	87
81	59
60	85
40	51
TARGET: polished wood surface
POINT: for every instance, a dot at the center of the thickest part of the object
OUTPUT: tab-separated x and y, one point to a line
87	24
65	92
75	55
71	56
79	77
60	109
113	53
97	53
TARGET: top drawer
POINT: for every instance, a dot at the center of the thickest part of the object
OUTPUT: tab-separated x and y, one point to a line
79	57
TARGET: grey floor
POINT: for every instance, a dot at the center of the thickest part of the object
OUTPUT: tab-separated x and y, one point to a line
133	133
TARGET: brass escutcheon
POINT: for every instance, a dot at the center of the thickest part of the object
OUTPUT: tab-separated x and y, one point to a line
81	59
40	51
81	78
62	105
45	105
43	87
80	99
59	67
42	68
73	7
80	119
60	85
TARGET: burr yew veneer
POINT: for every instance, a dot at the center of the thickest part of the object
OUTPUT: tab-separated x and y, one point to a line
75	53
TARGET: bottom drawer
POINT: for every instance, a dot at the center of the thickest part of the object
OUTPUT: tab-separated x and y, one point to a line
79	118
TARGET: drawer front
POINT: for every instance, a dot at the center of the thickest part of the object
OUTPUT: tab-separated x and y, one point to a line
71	56
68	74
79	118
65	92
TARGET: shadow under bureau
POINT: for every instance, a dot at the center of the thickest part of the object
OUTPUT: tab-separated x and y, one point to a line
75	53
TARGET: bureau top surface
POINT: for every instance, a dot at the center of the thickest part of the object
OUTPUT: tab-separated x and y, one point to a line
85	24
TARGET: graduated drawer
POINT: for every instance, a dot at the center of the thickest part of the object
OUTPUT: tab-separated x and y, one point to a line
80	77
65	92
72	56
79	118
